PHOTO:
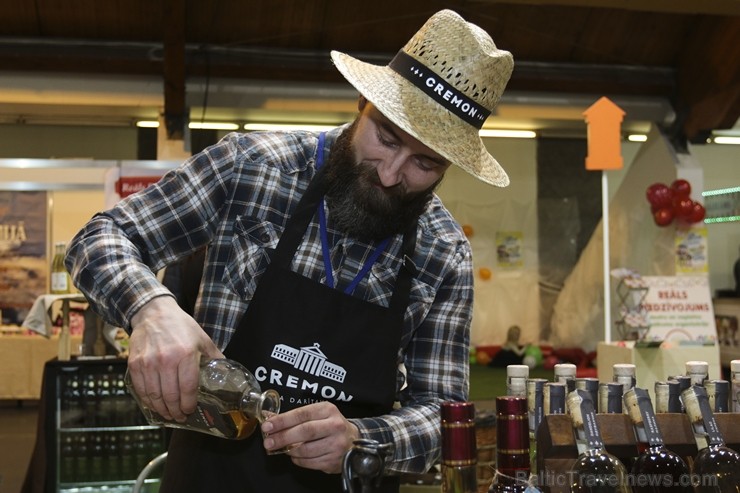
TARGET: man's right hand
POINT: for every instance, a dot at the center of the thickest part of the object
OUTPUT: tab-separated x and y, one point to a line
165	348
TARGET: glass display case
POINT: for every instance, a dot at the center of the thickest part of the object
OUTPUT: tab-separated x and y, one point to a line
96	436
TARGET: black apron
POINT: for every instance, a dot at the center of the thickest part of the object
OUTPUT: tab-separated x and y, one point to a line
309	342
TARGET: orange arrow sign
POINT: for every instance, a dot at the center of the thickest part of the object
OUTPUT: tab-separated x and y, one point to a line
604	121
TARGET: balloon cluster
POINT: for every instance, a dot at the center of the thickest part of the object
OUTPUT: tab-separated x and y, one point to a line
674	202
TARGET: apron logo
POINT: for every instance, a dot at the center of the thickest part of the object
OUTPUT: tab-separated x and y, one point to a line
309	359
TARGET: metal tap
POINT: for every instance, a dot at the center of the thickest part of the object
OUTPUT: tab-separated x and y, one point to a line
365	462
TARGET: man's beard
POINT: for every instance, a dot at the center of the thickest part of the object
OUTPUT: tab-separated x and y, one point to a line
359	205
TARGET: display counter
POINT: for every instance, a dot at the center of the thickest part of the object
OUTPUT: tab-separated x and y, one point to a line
22	360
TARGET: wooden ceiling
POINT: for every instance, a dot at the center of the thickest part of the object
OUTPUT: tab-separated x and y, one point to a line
684	51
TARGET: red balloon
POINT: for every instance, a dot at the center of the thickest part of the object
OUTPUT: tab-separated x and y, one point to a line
663	217
697	213
659	195
682	207
681	188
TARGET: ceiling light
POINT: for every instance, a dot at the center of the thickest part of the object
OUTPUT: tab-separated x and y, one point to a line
724	139
192	125
147	124
212	126
637	138
514	134
288	126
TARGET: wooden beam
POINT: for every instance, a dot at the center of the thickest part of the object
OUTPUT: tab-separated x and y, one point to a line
709	77
713	7
173	26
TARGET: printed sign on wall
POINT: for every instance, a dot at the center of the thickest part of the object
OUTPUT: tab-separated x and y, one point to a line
679	309
23	239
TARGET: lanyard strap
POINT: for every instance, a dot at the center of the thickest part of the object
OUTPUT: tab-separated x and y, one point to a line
325	240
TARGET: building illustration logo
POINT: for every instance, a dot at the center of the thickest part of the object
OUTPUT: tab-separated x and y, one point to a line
309	359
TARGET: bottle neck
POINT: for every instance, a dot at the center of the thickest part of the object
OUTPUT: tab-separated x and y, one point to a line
260	406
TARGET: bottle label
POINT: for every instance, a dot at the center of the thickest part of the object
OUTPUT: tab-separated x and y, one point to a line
714	436
652	432
59	282
209	419
591	431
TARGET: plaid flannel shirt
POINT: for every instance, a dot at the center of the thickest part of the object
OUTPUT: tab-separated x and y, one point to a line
236	197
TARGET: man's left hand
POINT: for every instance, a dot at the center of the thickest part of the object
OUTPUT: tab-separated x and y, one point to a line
323	436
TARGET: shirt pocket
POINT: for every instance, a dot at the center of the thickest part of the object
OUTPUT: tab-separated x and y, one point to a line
249	256
382	283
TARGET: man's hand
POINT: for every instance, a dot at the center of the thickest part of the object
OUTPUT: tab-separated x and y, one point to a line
323	433
164	355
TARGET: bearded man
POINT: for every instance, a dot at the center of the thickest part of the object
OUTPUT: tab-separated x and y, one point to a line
332	246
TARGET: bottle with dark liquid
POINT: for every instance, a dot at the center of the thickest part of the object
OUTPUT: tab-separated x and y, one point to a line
668	397
718	392
230	402
595	470
656	469
512	446
459	451
610	397
716	467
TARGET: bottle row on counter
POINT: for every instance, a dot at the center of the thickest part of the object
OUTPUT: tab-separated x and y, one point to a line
652	468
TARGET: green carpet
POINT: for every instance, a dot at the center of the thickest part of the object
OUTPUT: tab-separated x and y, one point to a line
487	383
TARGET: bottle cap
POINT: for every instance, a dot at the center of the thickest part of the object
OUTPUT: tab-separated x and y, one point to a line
457	411
624	370
517	371
565	370
697	367
735	365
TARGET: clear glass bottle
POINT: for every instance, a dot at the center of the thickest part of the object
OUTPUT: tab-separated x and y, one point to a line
610	397
459	452
230	402
516	380
716	467
61	283
512	446
656	469
595	470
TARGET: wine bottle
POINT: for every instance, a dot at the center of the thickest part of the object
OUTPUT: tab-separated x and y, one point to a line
590	385
735	382
626	374
459	452
61	282
656	469
516	380
595	470
716	467
667	397
554	398
697	371
566	373
230	402
718	393
536	411
684	382
610	397
512	446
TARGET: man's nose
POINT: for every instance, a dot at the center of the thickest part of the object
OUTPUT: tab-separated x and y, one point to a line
390	171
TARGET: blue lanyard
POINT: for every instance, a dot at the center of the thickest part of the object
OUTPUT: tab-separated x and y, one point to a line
325	239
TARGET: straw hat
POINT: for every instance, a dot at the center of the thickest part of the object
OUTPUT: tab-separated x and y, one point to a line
440	88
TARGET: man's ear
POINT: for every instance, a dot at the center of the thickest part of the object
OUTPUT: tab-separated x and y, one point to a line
361	103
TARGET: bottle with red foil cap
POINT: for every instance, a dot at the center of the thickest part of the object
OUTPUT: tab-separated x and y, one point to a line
512	446
459	450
